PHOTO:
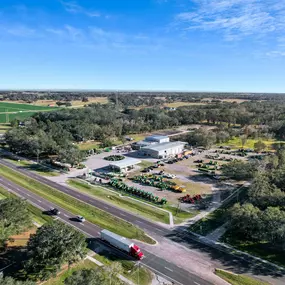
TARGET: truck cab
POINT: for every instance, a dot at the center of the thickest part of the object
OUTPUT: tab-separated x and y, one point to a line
136	252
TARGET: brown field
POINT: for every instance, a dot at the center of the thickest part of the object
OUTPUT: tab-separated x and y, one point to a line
21	239
181	104
228	100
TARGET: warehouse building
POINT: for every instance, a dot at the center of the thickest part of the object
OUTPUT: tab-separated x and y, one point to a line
163	150
127	164
157	139
149	141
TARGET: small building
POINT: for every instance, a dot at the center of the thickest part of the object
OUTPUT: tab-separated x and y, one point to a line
124	165
163	150
157	139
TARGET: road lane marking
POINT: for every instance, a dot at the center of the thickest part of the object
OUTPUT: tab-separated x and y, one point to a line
28	195
40	201
106	208
56	218
168	269
66	216
122	215
140	222
197	283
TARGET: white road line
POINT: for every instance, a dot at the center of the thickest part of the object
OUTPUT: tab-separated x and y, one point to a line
66	216
122	215
197	283
56	218
39	201
29	195
140	222
106	208
168	269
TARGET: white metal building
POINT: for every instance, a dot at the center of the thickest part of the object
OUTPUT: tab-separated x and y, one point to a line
124	165
163	150
157	139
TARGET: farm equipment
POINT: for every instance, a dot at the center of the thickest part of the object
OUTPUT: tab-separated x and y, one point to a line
177	188
189	199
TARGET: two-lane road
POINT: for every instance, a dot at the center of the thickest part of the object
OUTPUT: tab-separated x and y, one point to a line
153	262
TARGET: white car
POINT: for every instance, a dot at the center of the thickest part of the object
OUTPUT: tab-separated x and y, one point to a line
80	219
171	176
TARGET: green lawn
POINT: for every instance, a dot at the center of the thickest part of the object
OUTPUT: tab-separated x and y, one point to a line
88	145
36	213
59	280
179	216
131	271
10	111
235	279
92	214
125	203
235	143
38	168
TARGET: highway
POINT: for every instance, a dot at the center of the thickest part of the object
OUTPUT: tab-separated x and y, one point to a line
224	259
158	265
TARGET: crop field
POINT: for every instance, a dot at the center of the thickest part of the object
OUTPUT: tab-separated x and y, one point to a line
10	111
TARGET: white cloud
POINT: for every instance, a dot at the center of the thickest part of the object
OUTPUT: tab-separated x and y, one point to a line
275	53
18	31
235	18
74	8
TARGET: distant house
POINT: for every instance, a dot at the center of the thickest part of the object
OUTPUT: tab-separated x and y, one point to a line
169	108
124	165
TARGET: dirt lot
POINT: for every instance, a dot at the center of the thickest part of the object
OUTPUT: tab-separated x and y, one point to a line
21	239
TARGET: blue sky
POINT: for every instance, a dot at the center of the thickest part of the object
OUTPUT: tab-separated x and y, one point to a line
188	45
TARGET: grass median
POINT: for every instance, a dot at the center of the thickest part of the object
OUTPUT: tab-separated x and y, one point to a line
236	279
75	206
123	202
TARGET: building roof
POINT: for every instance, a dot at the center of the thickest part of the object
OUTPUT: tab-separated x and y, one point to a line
164	146
124	163
156	137
144	143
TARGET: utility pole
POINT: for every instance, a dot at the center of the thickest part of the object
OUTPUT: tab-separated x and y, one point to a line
138	273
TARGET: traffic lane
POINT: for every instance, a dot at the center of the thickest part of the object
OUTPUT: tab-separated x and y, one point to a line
44	205
167	269
134	219
154	263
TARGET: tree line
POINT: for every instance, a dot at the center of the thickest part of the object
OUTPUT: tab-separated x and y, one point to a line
262	217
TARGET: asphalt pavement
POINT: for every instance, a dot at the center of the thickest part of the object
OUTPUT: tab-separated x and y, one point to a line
159	266
223	258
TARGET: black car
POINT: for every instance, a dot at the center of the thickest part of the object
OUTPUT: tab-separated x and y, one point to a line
54	211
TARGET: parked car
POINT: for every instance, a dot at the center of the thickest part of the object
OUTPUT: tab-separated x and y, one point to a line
54	211
80	219
171	176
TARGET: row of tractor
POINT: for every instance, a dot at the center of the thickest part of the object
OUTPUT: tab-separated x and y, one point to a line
189	199
118	185
158	182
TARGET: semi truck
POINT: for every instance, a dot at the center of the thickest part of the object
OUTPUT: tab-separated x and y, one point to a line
122	243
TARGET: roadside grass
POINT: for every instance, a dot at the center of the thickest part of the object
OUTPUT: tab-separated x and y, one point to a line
236	279
59	280
218	217
88	145
130	270
92	214
180	216
38	168
36	213
263	250
235	143
125	203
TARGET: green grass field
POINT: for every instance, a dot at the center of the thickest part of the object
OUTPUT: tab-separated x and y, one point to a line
236	279
77	207
37	168
11	111
235	143
125	203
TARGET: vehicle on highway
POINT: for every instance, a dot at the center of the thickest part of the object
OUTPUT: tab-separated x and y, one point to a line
54	211
122	243
168	175
80	219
